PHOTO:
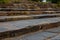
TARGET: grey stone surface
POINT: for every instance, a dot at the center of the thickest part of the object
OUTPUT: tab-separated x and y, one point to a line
56	37
15	25
39	35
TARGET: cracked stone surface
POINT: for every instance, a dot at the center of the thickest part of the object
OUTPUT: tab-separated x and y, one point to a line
15	25
50	34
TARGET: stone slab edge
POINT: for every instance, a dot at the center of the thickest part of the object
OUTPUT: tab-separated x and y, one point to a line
12	13
28	29
27	18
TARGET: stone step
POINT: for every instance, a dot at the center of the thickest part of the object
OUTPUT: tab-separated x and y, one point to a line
27	17
29	9
12	13
30	4
50	34
18	28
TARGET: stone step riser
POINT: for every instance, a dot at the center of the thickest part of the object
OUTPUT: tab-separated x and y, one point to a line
28	29
27	18
12	13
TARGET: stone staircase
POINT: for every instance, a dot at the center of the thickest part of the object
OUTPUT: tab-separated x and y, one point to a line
22	26
19	28
17	22
28	8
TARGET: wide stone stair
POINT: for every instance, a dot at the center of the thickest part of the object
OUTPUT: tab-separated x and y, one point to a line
37	24
28	8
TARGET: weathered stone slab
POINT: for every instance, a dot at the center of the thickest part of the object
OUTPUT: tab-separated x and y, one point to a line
11	13
27	26
24	23
3	17
27	17
39	35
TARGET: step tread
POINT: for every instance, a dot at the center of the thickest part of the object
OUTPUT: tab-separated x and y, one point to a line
15	25
25	16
